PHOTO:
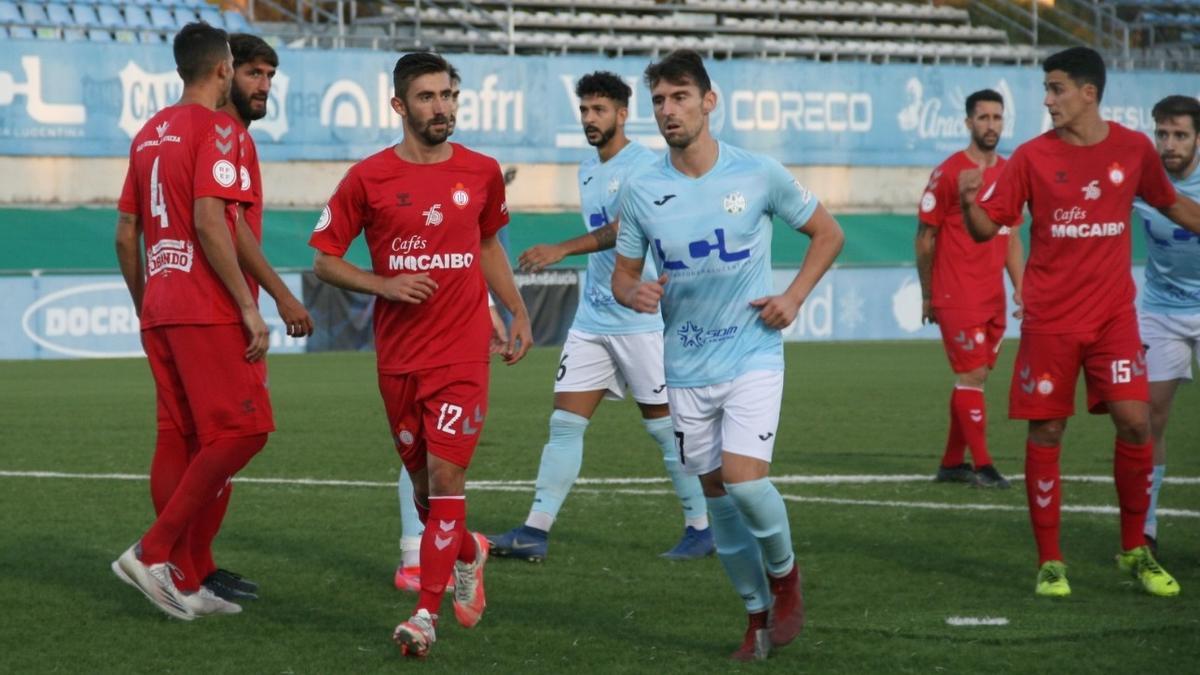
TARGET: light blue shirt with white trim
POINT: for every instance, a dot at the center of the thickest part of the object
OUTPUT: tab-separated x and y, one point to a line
712	237
601	185
1173	265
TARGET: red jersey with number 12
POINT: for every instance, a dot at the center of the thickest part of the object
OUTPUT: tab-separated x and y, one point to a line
1079	274
183	153
966	274
422	218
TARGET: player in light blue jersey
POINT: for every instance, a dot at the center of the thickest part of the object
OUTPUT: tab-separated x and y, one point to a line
705	212
609	347
1170	316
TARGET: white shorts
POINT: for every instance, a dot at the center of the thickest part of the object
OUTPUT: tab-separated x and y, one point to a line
740	416
613	363
1172	343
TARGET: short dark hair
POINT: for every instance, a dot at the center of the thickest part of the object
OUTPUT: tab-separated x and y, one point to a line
198	47
681	66
1178	106
415	64
1083	65
983	95
606	84
248	48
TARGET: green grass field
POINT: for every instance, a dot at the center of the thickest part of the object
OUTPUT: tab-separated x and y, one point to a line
886	563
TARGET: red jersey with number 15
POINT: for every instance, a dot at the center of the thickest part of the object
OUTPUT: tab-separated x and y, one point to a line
183	153
1079	274
422	218
966	274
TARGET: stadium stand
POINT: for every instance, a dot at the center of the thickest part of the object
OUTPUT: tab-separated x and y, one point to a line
129	21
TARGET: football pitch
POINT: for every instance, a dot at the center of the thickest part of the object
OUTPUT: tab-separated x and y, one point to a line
891	560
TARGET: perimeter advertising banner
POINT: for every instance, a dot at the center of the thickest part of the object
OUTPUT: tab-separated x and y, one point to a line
90	99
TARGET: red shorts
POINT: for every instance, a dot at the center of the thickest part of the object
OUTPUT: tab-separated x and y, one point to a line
1047	367
971	337
438	411
203	383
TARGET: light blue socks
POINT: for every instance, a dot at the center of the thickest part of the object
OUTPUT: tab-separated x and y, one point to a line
411	527
687	488
739	553
767	519
1151	526
561	458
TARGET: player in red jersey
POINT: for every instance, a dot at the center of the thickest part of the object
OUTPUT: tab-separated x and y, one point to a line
1080	180
254	65
963	289
201	328
430	211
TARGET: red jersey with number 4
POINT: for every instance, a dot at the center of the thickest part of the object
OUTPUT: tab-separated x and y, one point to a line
966	274
422	219
1079	274
183	153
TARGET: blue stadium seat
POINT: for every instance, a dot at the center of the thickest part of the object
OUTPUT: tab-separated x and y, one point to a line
135	17
60	15
110	16
160	17
9	13
21	32
99	35
184	16
74	35
85	15
147	37
236	23
34	12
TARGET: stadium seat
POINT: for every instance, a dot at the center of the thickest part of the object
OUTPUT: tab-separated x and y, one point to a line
110	17
160	17
34	13
212	17
9	13
85	15
148	37
135	17
184	16
21	32
99	35
59	15
236	23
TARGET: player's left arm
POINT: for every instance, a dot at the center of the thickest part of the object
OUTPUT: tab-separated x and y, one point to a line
779	311
1014	262
129	256
539	257
254	263
496	271
1185	212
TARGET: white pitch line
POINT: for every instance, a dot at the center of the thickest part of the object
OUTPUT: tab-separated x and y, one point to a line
525	486
976	621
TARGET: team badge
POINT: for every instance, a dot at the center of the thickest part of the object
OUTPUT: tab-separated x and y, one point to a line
928	202
1116	174
735	203
460	196
225	173
405	437
1045	385
245	178
324	220
613	186
979	336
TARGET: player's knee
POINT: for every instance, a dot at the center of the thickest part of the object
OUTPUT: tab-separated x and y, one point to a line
712	484
974	378
1047	433
1133	430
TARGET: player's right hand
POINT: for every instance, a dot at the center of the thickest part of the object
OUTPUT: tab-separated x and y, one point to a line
927	315
538	258
411	288
257	332
969	182
647	294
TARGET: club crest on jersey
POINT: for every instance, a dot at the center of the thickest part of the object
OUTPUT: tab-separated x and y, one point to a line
225	173
613	186
1091	190
433	216
460	197
928	202
245	178
1116	174
735	203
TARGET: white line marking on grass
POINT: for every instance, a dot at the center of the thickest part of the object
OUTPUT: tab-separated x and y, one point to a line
525	486
976	621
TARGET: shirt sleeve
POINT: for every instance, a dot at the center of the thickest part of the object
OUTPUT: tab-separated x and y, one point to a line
631	238
128	203
342	219
934	200
495	210
787	198
218	162
1004	199
1155	187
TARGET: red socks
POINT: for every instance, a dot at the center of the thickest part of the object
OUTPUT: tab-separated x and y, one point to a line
203	479
1043	487
204	530
445	532
1132	471
968	427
